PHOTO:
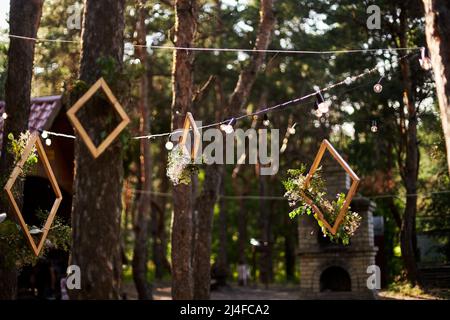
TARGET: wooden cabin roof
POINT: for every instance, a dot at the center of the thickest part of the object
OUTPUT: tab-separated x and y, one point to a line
42	114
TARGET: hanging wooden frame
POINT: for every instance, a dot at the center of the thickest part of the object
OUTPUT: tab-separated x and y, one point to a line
34	141
326	145
189	123
71	114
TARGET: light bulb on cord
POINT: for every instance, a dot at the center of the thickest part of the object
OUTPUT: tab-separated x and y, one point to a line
348	81
44	134
4	116
266	121
48	142
321	105
228	127
169	145
377	88
374	127
291	130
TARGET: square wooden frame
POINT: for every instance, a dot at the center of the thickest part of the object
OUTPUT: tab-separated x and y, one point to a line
326	145
189	123
34	140
71	114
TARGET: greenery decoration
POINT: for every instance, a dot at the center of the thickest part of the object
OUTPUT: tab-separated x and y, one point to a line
295	192
180	167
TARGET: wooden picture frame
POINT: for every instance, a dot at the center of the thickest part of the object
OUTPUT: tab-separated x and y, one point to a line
189	123
34	141
326	145
71	114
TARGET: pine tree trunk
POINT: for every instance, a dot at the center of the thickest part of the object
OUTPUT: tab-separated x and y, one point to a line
141	227
97	202
437	17
242	230
24	19
202	245
410	167
213	176
222	256
159	234
182	84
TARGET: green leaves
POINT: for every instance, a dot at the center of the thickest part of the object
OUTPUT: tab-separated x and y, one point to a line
14	246
17	146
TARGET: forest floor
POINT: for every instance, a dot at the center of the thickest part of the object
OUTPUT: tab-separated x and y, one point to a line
162	291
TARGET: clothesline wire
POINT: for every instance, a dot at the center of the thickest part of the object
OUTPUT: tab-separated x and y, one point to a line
257	197
206	49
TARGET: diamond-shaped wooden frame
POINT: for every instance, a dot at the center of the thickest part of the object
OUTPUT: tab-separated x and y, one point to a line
326	145
189	123
34	140
71	114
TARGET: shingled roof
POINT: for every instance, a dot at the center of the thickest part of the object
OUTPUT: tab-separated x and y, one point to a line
42	114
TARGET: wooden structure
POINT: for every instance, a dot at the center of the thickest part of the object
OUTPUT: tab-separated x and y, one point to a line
34	141
326	145
96	151
189	123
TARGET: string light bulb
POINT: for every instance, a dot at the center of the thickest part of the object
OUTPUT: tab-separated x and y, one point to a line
169	145
321	105
4	116
291	130
425	61
348	81
48	142
44	134
377	88
228	127
266	121
374	127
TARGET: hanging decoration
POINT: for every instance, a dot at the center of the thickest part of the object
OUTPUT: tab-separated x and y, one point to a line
34	143
97	151
333	217
189	124
180	166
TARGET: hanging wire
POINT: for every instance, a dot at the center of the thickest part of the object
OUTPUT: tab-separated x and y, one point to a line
205	49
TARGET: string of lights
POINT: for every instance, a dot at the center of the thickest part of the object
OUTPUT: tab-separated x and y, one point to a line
321	107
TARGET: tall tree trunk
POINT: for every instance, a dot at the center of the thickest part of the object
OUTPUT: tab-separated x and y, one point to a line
242	231
222	256
162	265
97	203
437	16
24	19
141	227
182	86
213	176
410	167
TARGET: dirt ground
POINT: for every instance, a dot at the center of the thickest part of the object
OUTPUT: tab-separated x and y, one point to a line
162	291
